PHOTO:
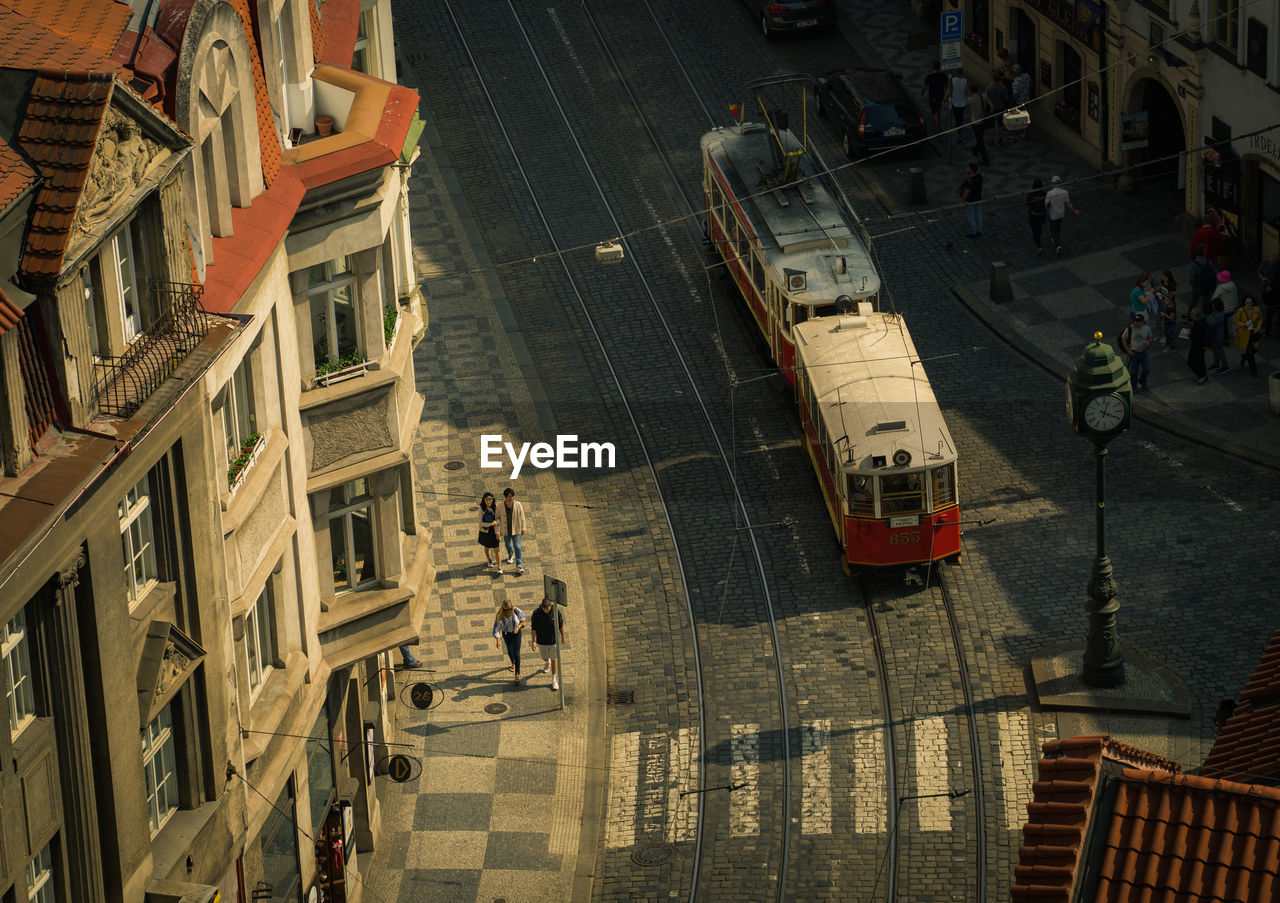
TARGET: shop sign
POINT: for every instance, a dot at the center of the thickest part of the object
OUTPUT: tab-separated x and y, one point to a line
1083	19
1222	188
1134	130
1263	144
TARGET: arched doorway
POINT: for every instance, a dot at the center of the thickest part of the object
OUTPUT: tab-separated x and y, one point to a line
1160	164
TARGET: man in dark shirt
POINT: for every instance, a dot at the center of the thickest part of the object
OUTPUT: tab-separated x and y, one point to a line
935	86
971	194
545	622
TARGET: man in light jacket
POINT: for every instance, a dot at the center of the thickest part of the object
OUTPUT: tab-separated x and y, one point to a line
512	514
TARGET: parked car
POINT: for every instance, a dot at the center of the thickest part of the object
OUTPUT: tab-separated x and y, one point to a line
870	108
777	16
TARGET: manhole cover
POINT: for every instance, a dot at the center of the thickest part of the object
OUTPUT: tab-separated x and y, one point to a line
621	697
655	855
453	465
496	708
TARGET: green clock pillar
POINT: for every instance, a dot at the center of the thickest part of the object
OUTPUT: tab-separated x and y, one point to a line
1100	407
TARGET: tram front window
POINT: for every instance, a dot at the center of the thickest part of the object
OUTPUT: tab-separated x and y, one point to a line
944	485
860	498
823	310
901	493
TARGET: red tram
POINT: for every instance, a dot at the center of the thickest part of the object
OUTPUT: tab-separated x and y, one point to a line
877	439
787	235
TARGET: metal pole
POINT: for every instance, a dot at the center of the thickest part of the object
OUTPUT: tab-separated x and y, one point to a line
1103	659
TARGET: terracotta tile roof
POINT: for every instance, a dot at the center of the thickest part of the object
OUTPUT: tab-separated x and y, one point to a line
1186	838
317	35
1058	817
61	34
59	132
9	313
268	140
341	26
1248	747
16	176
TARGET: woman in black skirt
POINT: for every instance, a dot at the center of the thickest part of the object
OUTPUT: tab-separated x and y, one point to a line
489	527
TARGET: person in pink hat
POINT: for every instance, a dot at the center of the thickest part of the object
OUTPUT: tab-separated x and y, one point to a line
1227	294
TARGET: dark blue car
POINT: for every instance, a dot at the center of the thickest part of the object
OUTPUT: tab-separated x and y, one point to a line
870	109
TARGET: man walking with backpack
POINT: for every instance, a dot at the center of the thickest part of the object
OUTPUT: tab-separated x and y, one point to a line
1204	279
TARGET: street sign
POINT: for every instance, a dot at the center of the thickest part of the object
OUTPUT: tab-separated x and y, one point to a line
421	695
555	590
951	33
399	768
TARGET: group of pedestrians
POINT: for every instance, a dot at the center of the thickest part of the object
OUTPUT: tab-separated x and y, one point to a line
1217	316
500	525
547	632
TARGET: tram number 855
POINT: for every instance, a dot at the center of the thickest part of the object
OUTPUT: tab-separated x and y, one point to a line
903	539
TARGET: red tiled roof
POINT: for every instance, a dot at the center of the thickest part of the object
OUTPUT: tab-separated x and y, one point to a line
1185	838
59	132
92	24
384	148
1248	747
9	313
341	25
1059	814
15	175
268	141
256	232
317	35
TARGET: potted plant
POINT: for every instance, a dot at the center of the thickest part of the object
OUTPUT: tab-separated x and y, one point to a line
240	463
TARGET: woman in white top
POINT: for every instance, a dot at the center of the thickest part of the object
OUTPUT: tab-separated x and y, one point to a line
507	625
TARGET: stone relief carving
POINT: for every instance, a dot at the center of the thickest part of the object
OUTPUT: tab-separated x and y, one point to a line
172	667
69	579
121	162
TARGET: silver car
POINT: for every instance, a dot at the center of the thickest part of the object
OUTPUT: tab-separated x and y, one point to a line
777	16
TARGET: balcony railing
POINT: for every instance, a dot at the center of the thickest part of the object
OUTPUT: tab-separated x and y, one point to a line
123	383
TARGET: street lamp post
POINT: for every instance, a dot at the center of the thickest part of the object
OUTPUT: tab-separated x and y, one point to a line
1100	407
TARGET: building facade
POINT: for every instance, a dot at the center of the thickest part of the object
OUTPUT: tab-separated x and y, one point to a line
208	311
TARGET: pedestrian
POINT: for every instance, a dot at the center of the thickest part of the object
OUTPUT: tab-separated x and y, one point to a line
978	111
1036	214
1021	87
406	654
507	625
998	96
1198	338
1002	61
1226	293
1216	321
1058	202
1167	293
544	638
1269	274
1209	236
1136	341
489	532
935	87
971	194
1204	280
513	529
1140	296
958	94
1249	333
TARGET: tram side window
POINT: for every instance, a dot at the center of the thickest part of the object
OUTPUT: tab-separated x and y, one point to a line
860	498
901	493
944	485
757	271
802	313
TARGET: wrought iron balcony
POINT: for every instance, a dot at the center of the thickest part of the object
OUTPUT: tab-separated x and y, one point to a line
122	384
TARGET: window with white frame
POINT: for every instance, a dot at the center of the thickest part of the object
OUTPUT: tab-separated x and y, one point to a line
351	536
159	762
137	536
259	641
18	689
362	56
40	885
1226	24
331	288
284	47
114	281
239	423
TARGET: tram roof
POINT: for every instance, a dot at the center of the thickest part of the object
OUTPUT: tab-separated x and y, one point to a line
800	226
869	385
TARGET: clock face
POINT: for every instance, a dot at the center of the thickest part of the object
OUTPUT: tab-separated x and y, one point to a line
1104	413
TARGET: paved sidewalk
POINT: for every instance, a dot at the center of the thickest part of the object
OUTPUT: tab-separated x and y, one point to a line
508	796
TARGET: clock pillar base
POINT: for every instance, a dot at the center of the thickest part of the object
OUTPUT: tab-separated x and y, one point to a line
1103	659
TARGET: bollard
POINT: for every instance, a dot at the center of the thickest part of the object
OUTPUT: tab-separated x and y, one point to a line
915	186
1001	290
1275	392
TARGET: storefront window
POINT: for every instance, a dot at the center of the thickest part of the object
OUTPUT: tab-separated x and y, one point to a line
280	870
320	768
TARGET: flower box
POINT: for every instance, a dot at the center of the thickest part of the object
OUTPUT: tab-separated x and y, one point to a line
340	370
239	468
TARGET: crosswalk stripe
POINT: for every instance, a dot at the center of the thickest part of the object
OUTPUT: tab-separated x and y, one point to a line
815	773
1016	766
624	776
929	743
682	812
870	811
744	768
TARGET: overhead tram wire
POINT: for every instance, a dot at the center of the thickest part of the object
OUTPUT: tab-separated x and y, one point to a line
662	224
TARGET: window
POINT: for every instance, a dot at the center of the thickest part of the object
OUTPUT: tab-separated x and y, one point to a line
160	765
259	641
860	498
1156	35
17	668
944	485
127	283
1255	48
351	536
114	282
1226	23
284	47
901	493
138	539
331	288
40	887
362	58
280	846
320	783
239	424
